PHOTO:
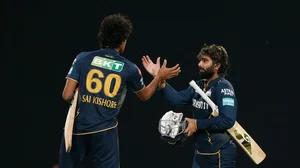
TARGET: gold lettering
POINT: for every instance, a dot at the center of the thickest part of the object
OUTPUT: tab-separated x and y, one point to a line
114	104
99	101
108	82
108	103
105	102
86	98
94	100
83	98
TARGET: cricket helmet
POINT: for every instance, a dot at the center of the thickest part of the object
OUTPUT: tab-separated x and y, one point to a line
171	128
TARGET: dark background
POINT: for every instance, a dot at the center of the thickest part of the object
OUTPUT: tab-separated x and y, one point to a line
257	36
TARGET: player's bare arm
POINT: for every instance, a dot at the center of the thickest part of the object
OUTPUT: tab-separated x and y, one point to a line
69	89
163	73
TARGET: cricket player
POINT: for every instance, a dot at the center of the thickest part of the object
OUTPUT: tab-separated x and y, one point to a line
214	147
102	78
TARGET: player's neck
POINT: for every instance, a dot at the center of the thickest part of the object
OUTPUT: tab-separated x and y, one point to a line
212	78
117	49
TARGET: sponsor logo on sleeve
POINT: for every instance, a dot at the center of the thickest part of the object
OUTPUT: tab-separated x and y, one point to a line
142	81
228	102
74	61
70	71
227	92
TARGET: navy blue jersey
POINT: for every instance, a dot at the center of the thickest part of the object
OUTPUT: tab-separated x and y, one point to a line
103	77
211	135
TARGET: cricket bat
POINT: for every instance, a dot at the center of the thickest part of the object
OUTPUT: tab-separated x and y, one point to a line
70	122
237	131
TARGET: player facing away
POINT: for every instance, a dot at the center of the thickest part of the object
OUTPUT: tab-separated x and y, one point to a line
102	78
214	147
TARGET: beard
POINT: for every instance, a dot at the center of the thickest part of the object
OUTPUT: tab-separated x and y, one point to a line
208	73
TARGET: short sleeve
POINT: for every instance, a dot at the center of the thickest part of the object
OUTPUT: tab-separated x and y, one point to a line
135	80
75	68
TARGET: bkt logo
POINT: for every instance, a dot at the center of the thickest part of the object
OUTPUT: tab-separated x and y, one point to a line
108	63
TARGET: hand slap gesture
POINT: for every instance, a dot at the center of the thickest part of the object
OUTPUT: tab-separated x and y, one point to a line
168	73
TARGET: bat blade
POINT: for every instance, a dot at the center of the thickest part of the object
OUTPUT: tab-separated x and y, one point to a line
237	132
68	132
246	142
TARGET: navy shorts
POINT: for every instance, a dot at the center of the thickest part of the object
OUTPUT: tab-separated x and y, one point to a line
102	147
225	158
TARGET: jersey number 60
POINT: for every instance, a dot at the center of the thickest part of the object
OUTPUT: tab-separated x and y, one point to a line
90	79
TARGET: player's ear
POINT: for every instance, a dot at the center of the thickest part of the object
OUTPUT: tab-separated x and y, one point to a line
217	65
